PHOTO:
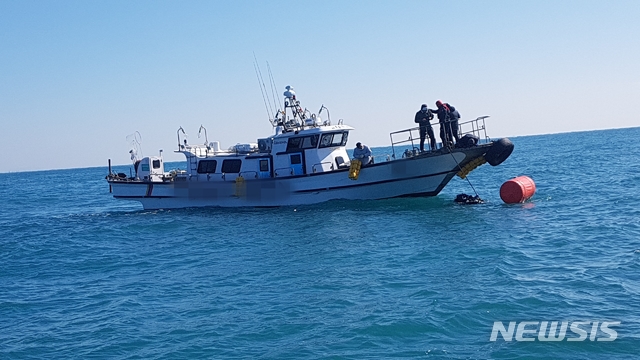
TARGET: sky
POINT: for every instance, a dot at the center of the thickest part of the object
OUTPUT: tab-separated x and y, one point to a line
78	77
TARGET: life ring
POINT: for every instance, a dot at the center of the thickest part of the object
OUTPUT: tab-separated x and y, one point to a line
499	151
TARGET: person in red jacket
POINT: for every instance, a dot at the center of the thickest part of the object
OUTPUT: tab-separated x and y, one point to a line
454	116
444	114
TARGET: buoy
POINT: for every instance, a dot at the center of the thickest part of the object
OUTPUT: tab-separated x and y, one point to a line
354	169
517	190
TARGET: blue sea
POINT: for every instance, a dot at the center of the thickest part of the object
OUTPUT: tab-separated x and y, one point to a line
85	276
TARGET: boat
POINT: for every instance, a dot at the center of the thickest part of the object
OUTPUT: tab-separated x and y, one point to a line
304	161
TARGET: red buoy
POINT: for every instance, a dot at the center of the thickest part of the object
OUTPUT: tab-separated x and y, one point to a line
517	190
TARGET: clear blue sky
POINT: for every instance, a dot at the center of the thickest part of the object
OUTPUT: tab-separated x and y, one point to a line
77	77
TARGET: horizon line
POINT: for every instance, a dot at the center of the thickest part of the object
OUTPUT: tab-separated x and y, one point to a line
372	146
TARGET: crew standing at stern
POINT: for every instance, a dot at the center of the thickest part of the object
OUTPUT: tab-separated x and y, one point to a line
444	113
423	118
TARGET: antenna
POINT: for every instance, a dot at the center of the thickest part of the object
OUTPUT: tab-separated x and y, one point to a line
178	132
273	87
328	121
206	140
263	88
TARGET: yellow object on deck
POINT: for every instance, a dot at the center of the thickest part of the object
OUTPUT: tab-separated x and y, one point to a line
354	170
240	187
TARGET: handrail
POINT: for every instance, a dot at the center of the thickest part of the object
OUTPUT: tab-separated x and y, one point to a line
322	167
211	175
180	146
247	172
275	172
478	128
206	139
410	139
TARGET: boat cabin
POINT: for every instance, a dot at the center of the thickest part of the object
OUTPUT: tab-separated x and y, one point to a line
150	168
309	151
302	145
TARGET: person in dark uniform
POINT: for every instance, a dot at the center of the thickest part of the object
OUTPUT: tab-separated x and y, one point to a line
423	118
444	114
454	116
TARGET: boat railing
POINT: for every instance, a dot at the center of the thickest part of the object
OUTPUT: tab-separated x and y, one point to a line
195	150
475	127
247	174
230	176
406	137
215	176
381	158
206	177
286	171
200	151
320	167
411	137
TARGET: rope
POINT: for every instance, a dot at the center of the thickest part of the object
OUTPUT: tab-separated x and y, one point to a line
466	177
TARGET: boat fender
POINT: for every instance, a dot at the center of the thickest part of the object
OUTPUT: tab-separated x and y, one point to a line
517	190
499	151
354	169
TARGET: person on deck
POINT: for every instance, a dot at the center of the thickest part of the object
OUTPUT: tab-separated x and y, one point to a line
423	118
362	153
444	114
454	116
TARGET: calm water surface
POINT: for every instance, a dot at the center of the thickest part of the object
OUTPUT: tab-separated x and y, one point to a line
86	276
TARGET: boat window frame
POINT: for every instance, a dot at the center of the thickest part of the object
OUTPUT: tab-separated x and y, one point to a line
206	164
298	158
297	143
264	162
229	166
331	143
154	162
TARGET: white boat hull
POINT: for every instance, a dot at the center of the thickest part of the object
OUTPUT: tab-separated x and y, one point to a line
423	175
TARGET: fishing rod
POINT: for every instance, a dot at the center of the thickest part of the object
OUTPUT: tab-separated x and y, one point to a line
262	87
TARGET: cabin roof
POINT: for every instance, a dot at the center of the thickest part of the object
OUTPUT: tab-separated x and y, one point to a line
315	130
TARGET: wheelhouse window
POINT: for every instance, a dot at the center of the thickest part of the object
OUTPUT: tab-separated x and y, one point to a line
309	142
334	139
294	143
264	165
302	142
207	166
156	164
231	166
296	159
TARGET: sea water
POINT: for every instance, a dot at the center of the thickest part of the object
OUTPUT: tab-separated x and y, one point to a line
83	275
